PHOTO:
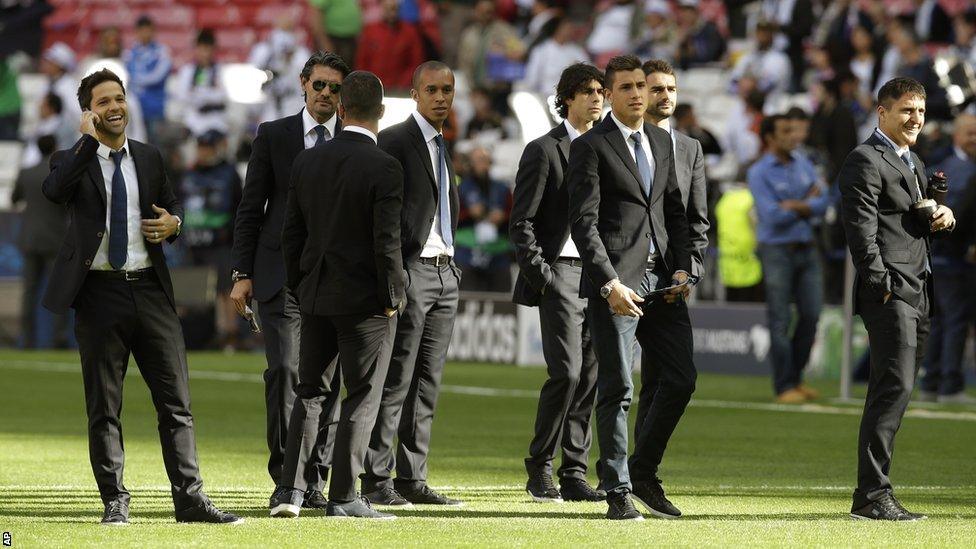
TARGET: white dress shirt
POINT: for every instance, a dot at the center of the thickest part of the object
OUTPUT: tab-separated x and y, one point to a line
308	125
569	248
137	257
361	130
435	244
647	152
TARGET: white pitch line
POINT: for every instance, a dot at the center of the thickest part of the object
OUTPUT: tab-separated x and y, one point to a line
212	375
489	488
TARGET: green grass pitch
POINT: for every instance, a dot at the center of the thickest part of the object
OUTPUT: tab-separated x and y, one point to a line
745	472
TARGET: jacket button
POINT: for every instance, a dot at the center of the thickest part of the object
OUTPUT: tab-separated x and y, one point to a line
100	234
432	220
647	235
88	263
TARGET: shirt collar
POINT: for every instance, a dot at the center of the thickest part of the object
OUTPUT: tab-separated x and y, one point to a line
627	131
573	134
900	151
426	128
360	130
309	123
104	150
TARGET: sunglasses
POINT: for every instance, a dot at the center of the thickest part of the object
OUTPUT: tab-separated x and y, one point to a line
319	85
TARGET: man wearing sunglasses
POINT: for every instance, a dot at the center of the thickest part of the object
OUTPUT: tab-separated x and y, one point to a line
259	272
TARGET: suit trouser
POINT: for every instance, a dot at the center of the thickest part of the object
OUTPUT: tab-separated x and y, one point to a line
897	333
954	313
281	323
412	385
363	343
37	268
567	397
113	318
664	330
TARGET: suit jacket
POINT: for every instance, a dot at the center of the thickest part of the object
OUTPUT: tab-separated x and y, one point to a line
405	142
261	213
43	222
690	169
612	219
341	235
76	180
888	244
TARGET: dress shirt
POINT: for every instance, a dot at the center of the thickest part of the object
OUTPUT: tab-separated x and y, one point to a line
569	248
645	143
361	130
771	181
435	245
137	257
308	126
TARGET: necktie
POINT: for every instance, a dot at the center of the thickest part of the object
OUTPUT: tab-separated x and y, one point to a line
321	131
443	192
644	167
118	236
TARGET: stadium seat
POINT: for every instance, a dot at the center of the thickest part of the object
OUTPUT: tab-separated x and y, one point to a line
219	16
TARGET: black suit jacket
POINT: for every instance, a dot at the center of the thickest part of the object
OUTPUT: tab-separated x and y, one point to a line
612	219
261	213
690	170
43	222
76	180
888	244
405	142
341	235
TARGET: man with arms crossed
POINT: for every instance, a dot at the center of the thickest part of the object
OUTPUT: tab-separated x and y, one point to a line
549	277
629	224
879	182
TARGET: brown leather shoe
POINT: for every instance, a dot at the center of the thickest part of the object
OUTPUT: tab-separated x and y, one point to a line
791	396
812	394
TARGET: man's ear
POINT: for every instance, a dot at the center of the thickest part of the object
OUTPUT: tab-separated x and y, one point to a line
341	111
382	111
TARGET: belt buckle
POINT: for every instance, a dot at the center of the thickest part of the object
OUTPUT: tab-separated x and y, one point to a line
129	276
440	260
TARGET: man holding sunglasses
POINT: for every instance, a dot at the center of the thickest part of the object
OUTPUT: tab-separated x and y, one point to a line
259	272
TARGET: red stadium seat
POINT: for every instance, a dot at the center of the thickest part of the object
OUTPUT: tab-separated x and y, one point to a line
268	15
219	16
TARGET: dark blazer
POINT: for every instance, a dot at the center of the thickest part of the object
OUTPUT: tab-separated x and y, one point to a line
341	235
690	169
76	180
257	229
43	222
405	142
612	219
888	245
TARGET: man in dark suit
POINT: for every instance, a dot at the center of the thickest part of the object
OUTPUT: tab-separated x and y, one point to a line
889	242
549	275
258	269
341	243
689	164
43	226
428	224
112	271
629	224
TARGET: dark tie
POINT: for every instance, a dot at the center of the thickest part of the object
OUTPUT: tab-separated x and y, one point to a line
321	131
643	166
118	236
443	191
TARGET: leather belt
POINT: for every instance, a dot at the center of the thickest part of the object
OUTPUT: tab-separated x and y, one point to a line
571	261
138	274
437	260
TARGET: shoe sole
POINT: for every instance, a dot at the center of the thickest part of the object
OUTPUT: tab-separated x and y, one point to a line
114	524
654	511
406	505
543	499
638	518
391	517
458	504
286	510
859	517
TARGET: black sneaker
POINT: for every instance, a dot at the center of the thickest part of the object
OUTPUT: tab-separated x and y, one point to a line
387	496
287	502
620	507
651	496
116	513
577	489
541	488
425	496
357	508
885	508
205	511
314	499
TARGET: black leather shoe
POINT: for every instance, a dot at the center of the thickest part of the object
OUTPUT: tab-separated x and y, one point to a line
387	496
116	513
577	489
423	495
541	488
620	507
314	499
357	508
651	496
288	503
205	511
885	508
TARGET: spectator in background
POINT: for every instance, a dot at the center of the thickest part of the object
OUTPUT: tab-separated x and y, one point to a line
738	265
337	26
391	48
742	126
930	21
865	64
836	26
546	62
487	123
793	21
770	67
790	201
148	64
614	29
282	56
58	65
699	41
916	63
801	129
41	234
9	102
109	47
686	122
659	37
833	130
964	28
482	245
487	38
954	271
542	25
49	110
200	89
210	192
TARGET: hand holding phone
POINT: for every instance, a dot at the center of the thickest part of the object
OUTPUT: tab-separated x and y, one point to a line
89	123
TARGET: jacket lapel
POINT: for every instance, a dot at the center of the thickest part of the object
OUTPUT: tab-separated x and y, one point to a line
561	135
907	176
616	140
661	149
296	133
95	172
139	159
421	145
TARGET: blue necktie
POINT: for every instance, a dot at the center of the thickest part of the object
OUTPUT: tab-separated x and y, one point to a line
644	167
443	190
320	130
118	236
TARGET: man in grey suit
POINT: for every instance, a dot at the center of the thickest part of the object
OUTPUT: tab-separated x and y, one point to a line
549	277
880	182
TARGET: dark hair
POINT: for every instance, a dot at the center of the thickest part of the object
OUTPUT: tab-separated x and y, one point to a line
47	144
797	113
427	66
756	100
681	110
54	101
575	79
768	125
144	21
206	38
362	95
894	89
326	58
89	82
657	65
620	63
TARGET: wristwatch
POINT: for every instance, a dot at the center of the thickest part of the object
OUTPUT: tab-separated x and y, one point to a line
237	276
607	289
